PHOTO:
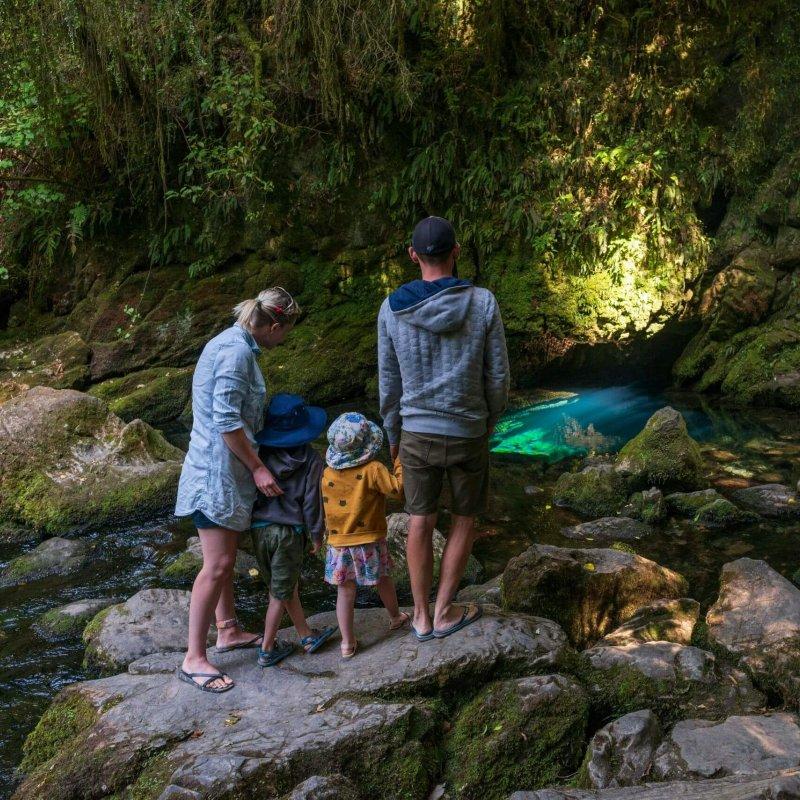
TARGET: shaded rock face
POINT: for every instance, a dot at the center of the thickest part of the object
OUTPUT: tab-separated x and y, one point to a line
621	753
608	529
524	732
323	715
737	746
588	591
757	618
664	620
597	490
658	660
327	787
72	618
60	361
56	556
489	593
773	500
65	461
188	563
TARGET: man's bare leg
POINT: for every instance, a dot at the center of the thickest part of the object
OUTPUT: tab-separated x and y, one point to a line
454	561
419	555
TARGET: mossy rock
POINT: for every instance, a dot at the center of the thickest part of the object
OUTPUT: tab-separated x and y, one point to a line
687	504
647	506
519	734
188	563
595	491
663	454
157	396
721	513
71	619
55	557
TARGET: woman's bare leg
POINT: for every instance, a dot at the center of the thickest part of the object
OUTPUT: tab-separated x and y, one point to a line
226	609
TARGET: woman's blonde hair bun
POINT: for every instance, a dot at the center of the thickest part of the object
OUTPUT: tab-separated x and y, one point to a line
271	305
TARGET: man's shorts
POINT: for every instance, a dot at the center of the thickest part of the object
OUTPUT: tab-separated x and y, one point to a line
279	551
427	458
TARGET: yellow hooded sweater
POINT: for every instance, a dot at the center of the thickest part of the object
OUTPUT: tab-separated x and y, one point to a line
354	500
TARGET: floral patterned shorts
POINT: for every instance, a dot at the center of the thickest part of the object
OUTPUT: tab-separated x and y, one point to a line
364	563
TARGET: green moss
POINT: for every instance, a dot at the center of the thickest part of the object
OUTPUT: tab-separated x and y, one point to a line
59	624
687	504
184	568
721	513
93	628
64	719
151	781
500	744
594	492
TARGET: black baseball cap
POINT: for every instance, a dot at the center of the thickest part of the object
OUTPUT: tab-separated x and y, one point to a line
433	236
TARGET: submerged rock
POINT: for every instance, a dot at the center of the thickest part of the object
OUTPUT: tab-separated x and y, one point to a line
188	563
621	753
72	618
772	500
596	491
523	732
723	514
65	461
687	504
757	618
53	557
647	506
663	620
608	529
663	454
311	715
588	591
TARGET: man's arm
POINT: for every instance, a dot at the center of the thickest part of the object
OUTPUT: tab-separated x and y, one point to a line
390	384
496	373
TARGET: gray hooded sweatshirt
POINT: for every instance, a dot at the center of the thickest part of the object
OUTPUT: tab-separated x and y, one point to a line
442	359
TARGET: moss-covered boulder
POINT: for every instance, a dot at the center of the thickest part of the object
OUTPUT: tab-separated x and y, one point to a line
185	566
721	513
157	395
71	619
522	733
60	360
663	454
687	504
596	491
771	500
587	591
647	506
53	557
66	462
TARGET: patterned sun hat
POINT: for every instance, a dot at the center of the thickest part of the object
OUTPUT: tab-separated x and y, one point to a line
353	439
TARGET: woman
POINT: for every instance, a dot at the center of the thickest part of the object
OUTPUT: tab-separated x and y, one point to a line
222	470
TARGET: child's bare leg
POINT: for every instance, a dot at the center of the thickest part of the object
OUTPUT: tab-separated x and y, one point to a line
273	622
388	597
345	604
295	610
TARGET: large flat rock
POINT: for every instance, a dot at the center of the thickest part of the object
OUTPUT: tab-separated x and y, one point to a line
278	726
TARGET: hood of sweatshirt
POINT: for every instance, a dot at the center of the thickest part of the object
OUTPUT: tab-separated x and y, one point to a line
438	306
283	463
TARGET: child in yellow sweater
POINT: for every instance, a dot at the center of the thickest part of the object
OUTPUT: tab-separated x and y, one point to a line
354	491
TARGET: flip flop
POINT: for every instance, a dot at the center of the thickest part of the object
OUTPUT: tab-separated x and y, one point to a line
351	652
279	651
189	677
406	618
462	623
421	637
254	642
313	642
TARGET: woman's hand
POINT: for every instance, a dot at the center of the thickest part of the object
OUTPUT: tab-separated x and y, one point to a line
266	482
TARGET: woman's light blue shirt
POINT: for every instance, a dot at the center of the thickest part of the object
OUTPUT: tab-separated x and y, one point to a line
228	392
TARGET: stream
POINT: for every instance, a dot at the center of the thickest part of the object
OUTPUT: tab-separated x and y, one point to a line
533	444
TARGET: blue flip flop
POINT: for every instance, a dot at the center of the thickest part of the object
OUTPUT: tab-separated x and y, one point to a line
317	638
280	650
421	637
462	623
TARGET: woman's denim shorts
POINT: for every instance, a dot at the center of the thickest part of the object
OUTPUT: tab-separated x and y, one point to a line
200	520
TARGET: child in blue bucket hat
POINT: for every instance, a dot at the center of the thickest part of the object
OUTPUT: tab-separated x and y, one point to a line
282	525
354	490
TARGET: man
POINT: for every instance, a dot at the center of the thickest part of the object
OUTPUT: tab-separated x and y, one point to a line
444	378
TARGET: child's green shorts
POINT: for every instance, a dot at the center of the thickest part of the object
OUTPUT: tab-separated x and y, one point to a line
279	551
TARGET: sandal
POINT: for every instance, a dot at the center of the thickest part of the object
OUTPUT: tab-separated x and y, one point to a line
279	651
421	637
462	623
405	618
189	677
254	642
349	652
316	639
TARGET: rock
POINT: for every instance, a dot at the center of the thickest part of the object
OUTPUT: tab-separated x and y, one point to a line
757	618
621	753
697	748
523	732
786	255
397	525
60	361
722	513
663	454
188	563
53	557
488	593
687	504
72	618
773	500
659	660
310	715
152	621
596	491
783	785
608	529
588	591
324	787
663	620
157	395
65	461
647	506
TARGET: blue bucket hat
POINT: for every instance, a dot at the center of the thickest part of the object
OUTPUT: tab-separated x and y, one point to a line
353	439
290	422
